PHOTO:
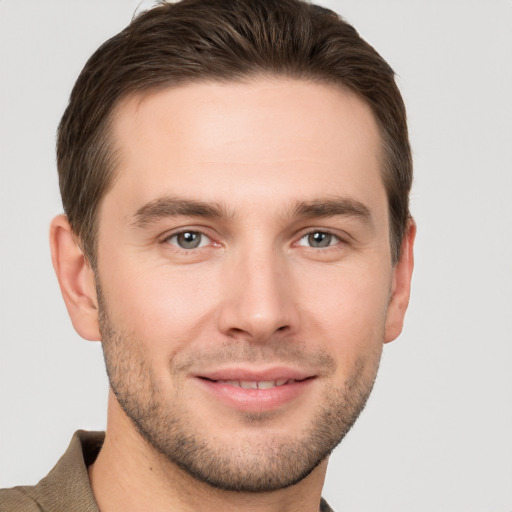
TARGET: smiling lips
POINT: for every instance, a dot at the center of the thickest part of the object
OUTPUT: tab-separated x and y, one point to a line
252	384
253	391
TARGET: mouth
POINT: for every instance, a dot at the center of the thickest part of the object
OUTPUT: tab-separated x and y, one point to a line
250	391
255	384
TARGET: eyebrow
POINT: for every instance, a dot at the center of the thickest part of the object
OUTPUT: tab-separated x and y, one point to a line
343	206
173	207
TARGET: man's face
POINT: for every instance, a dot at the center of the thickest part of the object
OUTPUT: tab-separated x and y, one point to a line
244	272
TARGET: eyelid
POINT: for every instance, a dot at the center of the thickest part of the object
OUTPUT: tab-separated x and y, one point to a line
341	236
164	239
305	235
204	240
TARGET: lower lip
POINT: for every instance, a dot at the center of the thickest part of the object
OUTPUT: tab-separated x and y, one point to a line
256	400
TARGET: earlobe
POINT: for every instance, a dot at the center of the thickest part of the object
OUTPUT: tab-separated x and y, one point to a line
401	285
76	279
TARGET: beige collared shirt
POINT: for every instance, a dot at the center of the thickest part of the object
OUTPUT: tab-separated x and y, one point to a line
66	488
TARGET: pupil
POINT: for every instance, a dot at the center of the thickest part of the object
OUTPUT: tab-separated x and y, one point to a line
189	240
320	239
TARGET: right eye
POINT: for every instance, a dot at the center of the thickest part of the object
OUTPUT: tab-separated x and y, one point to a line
189	240
318	239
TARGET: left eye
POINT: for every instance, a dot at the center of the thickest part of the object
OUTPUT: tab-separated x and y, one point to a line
189	240
318	239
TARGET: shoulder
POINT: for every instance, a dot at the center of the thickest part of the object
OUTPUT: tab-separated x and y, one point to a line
66	488
19	499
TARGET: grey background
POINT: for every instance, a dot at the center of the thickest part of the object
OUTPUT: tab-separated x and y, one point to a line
437	433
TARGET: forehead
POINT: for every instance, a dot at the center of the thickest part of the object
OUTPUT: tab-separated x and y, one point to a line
281	135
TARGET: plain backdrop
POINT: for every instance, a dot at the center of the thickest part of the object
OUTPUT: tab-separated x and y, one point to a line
436	435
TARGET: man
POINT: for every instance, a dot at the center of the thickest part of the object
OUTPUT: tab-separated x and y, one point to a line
235	177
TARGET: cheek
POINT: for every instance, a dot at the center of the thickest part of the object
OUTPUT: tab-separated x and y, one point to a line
160	305
351	324
349	308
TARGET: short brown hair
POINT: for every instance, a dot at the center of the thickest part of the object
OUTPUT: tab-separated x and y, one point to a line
224	40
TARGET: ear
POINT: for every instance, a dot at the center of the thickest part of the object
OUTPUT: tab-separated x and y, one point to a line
76	279
401	286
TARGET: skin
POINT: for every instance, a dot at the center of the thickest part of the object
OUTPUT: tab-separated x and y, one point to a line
257	295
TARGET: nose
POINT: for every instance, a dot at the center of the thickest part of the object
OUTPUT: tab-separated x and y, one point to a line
258	300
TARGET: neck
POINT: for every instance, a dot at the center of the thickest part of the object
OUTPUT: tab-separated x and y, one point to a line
130	475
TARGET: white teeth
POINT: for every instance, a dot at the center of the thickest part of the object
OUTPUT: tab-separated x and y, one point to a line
264	384
246	384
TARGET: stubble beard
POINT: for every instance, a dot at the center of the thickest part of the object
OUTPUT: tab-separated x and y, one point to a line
254	464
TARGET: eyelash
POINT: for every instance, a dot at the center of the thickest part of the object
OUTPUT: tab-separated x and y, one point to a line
201	234
333	237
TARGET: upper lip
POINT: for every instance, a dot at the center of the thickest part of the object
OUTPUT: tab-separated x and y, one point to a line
256	375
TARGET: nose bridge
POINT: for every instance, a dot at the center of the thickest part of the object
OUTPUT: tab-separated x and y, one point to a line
259	301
